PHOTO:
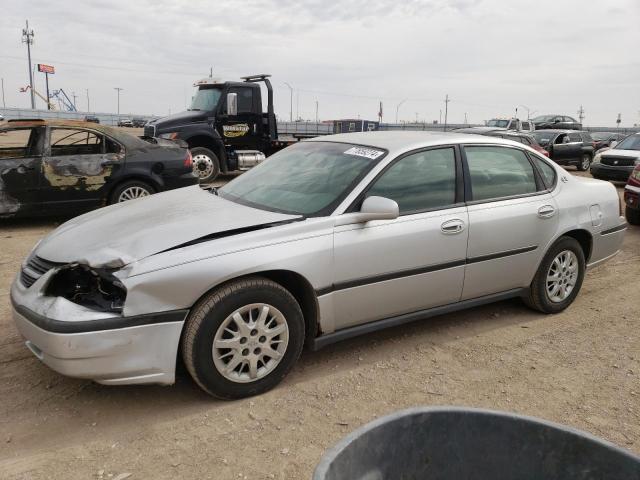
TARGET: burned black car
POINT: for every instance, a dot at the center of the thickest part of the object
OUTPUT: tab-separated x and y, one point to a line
66	167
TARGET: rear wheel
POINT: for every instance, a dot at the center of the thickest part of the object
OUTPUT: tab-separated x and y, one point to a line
205	164
559	277
243	338
585	163
130	191
633	215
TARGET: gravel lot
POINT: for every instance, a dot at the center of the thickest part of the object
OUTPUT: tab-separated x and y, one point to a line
580	368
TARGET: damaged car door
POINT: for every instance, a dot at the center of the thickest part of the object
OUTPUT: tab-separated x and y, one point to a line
77	165
20	164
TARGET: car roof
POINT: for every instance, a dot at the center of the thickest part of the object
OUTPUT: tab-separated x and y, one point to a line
397	142
125	138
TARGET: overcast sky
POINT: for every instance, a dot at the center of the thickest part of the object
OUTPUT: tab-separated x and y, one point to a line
488	55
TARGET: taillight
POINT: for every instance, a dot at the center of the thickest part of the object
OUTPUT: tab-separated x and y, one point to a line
188	161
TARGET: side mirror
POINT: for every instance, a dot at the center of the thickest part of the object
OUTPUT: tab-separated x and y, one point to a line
373	208
613	144
232	104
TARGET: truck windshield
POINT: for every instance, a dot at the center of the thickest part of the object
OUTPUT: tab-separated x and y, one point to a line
498	123
206	99
308	178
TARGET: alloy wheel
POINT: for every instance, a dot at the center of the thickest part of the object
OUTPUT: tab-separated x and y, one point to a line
203	166
562	276
586	161
132	193
250	343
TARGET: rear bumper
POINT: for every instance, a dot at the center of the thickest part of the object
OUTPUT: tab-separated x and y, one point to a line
184	180
608	172
111	350
607	243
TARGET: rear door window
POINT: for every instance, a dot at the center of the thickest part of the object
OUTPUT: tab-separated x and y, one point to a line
74	142
496	172
575	137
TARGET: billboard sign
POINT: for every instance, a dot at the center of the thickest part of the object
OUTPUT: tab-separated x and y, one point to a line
46	68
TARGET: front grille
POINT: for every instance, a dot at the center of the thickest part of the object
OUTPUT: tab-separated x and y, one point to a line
615	161
149	131
34	269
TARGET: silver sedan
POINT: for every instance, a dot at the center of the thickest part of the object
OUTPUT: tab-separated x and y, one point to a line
327	239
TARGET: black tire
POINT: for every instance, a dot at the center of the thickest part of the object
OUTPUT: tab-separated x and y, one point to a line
585	163
633	215
130	184
209	314
199	167
538	297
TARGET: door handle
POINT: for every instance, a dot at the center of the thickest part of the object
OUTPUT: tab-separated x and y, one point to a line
451	227
546	211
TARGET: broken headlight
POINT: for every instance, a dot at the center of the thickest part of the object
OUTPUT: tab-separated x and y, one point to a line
94	288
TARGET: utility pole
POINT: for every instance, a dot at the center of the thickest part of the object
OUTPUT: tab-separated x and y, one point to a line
4	105
398	108
88	106
316	111
440	120
290	102
73	94
297	106
465	118
446	110
27	37
619	120
581	114
119	90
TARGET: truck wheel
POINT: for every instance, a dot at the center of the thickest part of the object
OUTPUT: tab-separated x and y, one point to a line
633	215
559	277
205	164
585	163
130	190
243	338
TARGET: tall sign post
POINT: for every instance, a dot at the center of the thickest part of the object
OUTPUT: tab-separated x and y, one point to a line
46	69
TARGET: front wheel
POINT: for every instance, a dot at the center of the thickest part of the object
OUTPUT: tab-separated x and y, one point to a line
559	277
585	163
243	338
633	215
205	164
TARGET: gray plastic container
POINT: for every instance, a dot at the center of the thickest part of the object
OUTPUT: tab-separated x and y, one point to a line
469	444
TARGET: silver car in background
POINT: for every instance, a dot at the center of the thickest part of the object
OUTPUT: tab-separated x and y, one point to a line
327	239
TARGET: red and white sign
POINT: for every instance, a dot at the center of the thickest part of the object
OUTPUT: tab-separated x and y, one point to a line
46	68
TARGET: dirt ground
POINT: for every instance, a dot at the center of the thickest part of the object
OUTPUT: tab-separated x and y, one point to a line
580	368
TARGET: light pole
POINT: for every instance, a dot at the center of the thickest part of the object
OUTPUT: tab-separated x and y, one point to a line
290	102
398	108
119	90
88	106
27	37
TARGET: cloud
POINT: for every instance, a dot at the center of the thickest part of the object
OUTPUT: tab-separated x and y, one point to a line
488	55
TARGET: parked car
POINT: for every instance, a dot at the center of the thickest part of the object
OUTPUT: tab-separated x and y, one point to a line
125	123
564	122
91	119
511	124
567	147
327	239
632	197
522	137
617	163
58	167
138	122
605	139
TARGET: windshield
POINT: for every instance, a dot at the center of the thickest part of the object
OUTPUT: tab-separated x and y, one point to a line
308	178
544	118
498	123
632	142
205	99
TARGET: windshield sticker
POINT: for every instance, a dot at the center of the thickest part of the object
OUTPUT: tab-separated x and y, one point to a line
364	152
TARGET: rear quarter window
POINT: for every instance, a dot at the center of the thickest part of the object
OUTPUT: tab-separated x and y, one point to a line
547	171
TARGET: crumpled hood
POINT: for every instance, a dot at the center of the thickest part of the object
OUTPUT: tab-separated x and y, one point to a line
120	234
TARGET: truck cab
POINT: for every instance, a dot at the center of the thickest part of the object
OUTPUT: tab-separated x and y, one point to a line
224	127
511	124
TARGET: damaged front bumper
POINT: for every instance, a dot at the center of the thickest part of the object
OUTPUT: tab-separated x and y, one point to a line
80	342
